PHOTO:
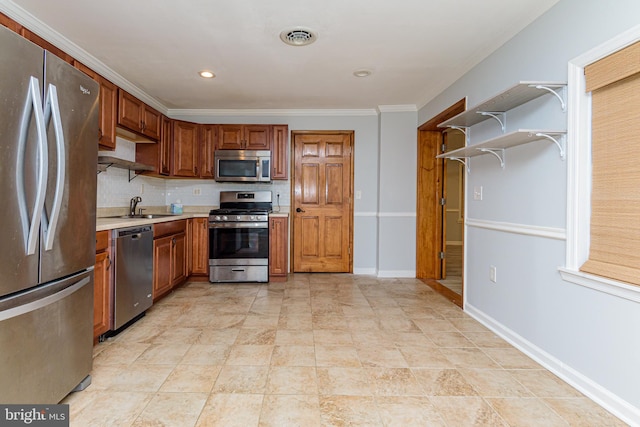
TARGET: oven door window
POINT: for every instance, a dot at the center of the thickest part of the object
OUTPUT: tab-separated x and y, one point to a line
237	168
238	243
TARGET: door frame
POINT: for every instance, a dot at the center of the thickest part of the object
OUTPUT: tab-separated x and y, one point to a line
351	134
429	216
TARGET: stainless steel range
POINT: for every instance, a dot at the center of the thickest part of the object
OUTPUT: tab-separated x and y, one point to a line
239	237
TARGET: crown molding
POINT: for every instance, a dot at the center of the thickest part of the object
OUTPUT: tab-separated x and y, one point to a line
270	112
398	108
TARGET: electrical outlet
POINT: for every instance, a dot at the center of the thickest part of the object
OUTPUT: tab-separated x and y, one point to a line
477	193
358	194
197	191
493	273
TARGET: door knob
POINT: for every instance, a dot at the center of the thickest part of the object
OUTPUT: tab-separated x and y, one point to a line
299	210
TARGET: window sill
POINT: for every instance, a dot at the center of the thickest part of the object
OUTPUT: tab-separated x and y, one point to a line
602	284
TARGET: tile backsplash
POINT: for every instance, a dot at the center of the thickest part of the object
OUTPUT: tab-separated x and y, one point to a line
115	189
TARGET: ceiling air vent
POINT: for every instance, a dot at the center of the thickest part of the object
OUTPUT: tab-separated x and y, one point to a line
298	36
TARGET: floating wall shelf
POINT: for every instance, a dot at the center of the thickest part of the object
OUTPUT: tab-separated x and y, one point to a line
106	161
497	146
497	106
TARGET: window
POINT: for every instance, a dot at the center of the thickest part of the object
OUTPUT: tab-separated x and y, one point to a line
614	83
598	218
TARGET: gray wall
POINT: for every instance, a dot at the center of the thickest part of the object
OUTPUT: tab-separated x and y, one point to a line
587	336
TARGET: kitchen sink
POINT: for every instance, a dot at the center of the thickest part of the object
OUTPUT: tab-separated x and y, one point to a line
140	216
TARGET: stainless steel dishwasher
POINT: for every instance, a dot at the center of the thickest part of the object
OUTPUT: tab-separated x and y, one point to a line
133	276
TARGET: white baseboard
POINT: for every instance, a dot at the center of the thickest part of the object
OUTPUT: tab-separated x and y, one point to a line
605	398
396	273
366	271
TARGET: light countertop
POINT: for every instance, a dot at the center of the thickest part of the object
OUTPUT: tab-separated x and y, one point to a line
109	218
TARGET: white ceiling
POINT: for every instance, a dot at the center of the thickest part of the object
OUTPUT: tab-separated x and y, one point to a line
415	48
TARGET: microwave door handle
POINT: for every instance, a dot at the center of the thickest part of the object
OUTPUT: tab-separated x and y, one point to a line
258	173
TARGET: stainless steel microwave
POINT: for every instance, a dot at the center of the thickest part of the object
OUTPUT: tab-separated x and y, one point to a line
242	166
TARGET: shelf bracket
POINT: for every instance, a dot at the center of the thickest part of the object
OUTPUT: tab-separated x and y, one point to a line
460	128
131	178
498	152
560	144
463	160
499	116
552	90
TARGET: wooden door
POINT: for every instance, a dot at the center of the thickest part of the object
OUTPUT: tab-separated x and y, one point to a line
101	289
322	205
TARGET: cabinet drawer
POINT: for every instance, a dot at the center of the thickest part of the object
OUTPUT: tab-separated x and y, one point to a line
102	241
168	228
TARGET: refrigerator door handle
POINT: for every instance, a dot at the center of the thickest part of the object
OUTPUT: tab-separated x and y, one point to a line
52	111
33	106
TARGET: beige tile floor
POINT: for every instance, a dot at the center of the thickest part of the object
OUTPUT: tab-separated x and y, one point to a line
320	350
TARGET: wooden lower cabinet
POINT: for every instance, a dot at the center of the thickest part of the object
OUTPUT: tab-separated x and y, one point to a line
169	256
200	246
102	286
278	239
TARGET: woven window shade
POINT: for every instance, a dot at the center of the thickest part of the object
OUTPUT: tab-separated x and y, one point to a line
615	199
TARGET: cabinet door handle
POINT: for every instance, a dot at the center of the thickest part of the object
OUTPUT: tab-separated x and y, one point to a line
109	264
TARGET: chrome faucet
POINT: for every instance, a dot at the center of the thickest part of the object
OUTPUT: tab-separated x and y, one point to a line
133	203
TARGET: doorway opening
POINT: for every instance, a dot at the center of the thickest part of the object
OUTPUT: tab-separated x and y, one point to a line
432	213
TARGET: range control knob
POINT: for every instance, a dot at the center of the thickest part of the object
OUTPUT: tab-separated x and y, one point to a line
224	218
238	217
217	218
253	217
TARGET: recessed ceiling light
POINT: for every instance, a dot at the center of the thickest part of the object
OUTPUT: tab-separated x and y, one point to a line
206	74
362	73
298	36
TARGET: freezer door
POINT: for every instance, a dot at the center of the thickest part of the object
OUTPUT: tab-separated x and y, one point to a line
69	218
21	80
49	332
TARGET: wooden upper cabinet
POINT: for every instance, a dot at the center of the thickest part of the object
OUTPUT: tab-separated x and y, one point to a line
158	155
280	152
165	147
5	21
244	137
138	117
186	149
108	107
46	45
151	120
257	137
208	134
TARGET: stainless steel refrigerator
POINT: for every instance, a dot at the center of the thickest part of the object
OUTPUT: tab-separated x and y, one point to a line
48	157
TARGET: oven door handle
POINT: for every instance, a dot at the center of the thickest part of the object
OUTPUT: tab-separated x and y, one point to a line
249	225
